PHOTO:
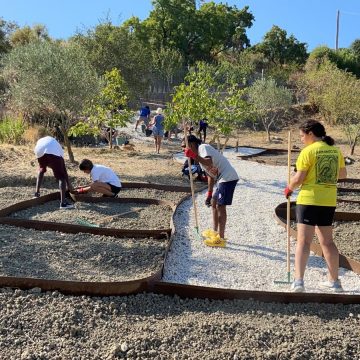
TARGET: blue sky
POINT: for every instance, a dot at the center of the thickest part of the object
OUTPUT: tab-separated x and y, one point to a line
311	21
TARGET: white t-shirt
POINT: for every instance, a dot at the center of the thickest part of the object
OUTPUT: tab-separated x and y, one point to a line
48	145
104	174
225	171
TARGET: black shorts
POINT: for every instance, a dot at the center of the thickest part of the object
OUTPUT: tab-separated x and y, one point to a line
114	189
315	215
56	163
224	192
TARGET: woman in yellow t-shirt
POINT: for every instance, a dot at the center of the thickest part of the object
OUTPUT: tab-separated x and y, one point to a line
319	166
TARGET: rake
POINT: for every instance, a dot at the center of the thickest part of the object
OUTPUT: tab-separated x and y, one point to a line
196	229
287	221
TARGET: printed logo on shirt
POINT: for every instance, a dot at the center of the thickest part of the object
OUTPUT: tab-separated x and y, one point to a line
326	168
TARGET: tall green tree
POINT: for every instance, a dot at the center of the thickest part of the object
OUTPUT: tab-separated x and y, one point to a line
109	46
278	48
47	77
197	33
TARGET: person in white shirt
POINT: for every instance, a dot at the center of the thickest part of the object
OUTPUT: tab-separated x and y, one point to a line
220	171
104	179
50	154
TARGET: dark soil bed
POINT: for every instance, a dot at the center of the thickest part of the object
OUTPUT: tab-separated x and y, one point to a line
352	195
348	206
346	237
111	215
274	157
77	257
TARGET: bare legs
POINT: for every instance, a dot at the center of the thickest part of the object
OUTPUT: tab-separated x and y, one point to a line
99	187
219	217
157	140
330	251
63	185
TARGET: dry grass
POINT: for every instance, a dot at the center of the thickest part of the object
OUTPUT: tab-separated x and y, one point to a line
19	164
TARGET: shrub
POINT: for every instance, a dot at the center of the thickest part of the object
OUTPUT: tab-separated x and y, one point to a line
11	130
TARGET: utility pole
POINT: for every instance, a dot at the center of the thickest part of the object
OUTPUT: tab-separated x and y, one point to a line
337	30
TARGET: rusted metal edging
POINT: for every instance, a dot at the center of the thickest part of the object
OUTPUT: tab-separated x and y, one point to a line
202	292
74	228
93	288
344	261
84	287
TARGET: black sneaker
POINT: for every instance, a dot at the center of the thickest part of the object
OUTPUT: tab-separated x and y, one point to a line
65	206
36	195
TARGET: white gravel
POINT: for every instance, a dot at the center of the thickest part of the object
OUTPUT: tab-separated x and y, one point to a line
255	255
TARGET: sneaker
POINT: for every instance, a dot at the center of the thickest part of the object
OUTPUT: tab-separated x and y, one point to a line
36	195
298	286
65	206
215	241
334	286
208	233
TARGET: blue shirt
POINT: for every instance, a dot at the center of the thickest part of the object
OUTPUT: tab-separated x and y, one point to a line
159	122
145	112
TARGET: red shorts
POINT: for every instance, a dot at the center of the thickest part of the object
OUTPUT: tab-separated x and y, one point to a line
56	163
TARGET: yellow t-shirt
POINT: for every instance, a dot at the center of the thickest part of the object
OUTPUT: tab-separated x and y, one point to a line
322	163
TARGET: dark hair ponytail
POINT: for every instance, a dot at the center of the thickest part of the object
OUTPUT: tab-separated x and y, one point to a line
317	129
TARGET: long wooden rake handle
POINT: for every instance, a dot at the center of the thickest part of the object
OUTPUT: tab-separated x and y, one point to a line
288	209
191	180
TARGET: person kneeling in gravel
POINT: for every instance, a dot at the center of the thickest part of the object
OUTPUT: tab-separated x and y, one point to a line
104	180
50	154
219	170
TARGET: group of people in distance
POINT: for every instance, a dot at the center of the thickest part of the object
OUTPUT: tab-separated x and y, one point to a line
318	168
157	126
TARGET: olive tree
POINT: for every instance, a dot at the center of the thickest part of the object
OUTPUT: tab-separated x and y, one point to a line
270	102
46	77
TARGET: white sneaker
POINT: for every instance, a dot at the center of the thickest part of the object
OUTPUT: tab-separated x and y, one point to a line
334	286
297	286
66	206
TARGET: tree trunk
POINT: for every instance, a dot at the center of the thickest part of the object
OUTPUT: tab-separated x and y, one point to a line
268	135
110	138
218	142
225	143
67	143
68	147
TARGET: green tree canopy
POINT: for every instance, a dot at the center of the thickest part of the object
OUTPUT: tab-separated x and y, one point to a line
198	34
344	59
108	47
47	77
108	109
270	102
27	34
336	93
278	48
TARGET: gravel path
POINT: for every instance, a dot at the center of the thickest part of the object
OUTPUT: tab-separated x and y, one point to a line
256	252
